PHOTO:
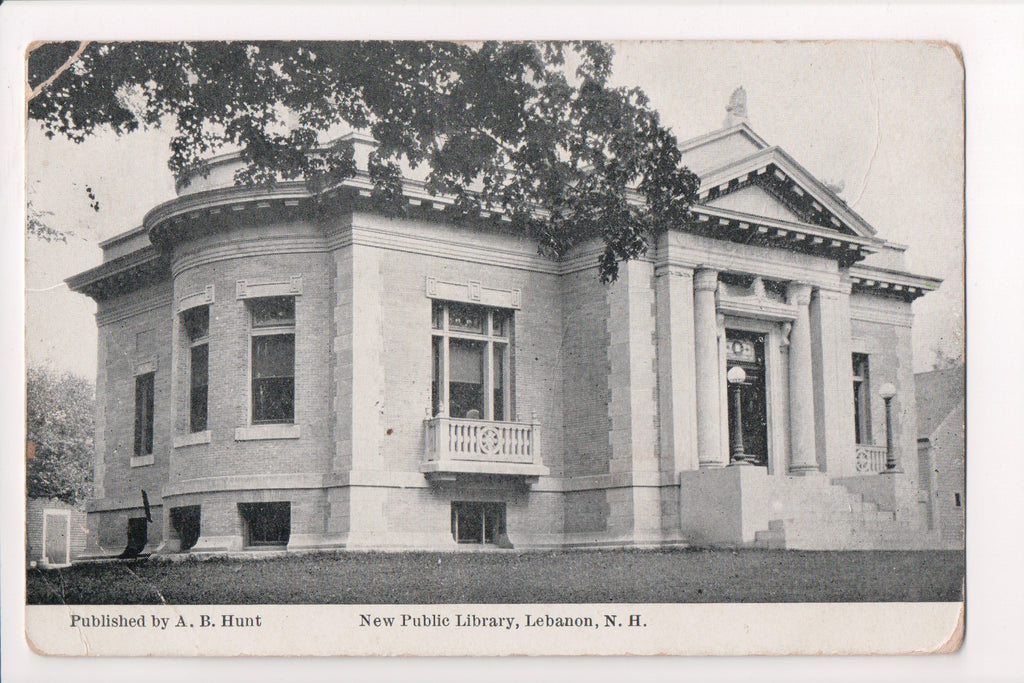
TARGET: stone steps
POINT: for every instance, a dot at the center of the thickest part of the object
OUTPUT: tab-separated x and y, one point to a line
811	513
816	518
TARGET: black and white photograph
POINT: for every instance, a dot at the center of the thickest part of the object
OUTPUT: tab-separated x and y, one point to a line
492	347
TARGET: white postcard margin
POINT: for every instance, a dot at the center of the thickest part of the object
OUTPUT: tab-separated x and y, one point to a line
991	39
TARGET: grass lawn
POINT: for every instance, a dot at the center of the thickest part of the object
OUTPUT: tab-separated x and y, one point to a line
642	576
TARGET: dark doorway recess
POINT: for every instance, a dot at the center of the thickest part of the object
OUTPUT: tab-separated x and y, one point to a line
746	350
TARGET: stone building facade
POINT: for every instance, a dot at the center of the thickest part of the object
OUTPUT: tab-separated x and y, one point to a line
283	370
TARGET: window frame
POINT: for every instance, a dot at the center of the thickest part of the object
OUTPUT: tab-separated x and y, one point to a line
193	344
445	334
257	516
492	516
861	367
288	329
140	436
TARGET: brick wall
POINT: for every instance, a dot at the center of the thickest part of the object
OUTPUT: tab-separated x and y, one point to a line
229	397
587	371
536	359
133	331
890	359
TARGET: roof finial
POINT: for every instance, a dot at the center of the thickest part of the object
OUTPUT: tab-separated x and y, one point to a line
736	111
836	186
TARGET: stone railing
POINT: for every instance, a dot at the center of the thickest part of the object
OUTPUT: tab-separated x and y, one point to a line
870	459
481	446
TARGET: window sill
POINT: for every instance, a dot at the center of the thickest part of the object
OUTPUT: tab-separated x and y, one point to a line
192	439
267	432
141	460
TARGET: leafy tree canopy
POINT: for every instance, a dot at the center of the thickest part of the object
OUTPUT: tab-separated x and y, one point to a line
533	129
59	414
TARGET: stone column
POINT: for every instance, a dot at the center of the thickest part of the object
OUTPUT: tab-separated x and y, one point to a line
705	334
803	459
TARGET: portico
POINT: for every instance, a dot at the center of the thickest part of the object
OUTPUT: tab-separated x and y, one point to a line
728	300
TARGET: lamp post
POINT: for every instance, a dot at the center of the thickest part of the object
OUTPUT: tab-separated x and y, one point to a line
735	377
892	465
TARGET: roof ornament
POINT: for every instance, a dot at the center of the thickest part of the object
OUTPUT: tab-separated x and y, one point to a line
736	111
836	186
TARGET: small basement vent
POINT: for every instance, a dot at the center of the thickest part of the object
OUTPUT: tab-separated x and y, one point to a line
266	524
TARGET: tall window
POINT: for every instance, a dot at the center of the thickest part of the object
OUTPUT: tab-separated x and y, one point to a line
861	399
273	359
197	327
471	361
144	414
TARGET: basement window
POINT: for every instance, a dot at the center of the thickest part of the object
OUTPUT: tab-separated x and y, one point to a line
266	524
482	523
185	521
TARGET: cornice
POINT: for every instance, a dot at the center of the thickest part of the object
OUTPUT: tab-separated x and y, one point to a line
694	252
888	282
120	313
231	198
744	228
122	274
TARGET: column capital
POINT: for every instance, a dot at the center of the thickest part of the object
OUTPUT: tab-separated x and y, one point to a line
799	293
705	280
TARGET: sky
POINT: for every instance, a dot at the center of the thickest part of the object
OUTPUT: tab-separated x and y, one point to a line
885	118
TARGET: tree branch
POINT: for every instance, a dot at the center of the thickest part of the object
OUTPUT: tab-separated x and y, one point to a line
64	67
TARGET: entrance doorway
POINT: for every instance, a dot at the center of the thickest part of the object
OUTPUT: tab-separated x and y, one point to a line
56	537
746	350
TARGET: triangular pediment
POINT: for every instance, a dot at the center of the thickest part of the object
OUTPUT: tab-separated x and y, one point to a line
708	152
795	190
756	201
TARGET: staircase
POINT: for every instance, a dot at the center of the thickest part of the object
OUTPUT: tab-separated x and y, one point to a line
811	513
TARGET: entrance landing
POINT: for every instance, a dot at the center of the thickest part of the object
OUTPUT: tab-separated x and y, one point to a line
744	506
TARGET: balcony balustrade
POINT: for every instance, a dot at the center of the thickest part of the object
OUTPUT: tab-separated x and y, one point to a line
870	459
455	446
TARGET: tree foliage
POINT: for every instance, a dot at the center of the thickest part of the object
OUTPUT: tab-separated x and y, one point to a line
531	129
59	416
